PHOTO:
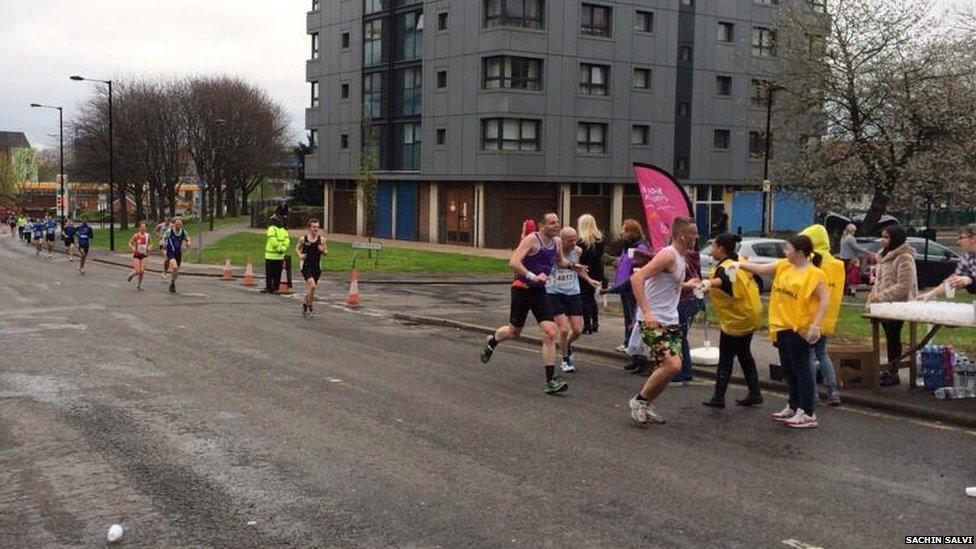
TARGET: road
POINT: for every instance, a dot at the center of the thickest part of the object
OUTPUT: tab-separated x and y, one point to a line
221	417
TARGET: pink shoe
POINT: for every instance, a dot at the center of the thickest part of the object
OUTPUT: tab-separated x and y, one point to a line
802	421
784	414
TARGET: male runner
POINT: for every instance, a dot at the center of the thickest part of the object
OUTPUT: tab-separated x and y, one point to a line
50	235
140	244
12	221
310	249
37	235
68	235
176	240
532	262
162	232
565	299
84	234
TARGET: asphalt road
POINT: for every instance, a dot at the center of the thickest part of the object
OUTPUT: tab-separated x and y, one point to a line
221	417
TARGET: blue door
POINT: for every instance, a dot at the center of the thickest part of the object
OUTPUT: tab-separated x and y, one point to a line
792	210
703	218
384	210
406	221
747	214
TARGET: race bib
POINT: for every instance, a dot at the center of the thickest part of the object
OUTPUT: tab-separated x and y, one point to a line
142	249
565	277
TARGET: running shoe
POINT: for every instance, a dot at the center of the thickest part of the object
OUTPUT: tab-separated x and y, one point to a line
833	397
172	287
784	414
638	410
653	416
567	366
70	258
802	421
556	385
714	403
304	309
487	350
622	348
130	277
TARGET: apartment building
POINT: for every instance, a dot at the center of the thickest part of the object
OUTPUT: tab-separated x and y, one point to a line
482	113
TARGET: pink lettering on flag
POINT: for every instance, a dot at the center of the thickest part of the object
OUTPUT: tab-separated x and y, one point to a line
664	200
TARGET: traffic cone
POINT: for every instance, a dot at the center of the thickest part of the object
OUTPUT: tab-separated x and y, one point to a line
227	275
249	273
283	288
353	299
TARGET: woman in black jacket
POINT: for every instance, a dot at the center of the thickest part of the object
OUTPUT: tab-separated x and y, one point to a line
591	241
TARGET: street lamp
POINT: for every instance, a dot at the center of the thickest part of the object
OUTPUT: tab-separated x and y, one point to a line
111	162
213	199
61	195
767	186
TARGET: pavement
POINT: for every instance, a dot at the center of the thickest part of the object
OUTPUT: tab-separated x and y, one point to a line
219	416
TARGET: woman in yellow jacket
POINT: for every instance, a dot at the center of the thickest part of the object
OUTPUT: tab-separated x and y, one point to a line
797	306
275	249
836	274
736	303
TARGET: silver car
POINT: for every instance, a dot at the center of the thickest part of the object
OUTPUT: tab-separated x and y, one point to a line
759	250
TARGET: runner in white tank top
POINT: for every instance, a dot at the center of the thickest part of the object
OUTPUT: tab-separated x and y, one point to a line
657	289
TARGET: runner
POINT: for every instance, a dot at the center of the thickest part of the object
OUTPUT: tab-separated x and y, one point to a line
37	235
657	289
565	299
310	249
84	234
162	232
176	240
12	221
140	244
50	235
532	262
68	235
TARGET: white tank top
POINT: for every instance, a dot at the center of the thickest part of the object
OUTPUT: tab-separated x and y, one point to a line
664	290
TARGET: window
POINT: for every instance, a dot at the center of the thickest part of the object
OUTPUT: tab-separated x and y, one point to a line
593	189
769	249
373	6
409	36
639	134
595	20
441	79
512	72
373	95
763	42
726	32
514	13
681	165
759	89
591	138
642	79
766	2
315	45
315	5
442	21
687	2
757	145
723	85
407	146
818	6
313	138
315	94
441	136
722	139
373	43
510	134
345	40
684	54
409	87
344	141
816	44
644	21
374	144
593	79
684	108
344	90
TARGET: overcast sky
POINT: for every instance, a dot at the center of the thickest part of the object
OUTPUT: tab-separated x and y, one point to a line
42	42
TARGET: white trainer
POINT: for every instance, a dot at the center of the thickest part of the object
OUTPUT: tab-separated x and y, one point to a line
784	414
638	410
801	420
567	367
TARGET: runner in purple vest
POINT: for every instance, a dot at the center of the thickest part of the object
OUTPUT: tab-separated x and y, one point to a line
532	262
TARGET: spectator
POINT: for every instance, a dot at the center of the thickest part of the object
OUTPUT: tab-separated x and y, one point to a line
635	251
591	241
897	282
274	253
851	254
965	275
688	308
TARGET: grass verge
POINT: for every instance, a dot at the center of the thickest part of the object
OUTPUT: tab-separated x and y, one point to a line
122	236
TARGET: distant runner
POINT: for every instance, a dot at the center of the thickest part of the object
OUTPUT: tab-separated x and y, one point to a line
140	244
50	235
68	235
84	234
162	232
310	249
37	235
176	240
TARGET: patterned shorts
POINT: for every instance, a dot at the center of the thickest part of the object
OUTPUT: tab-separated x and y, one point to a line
662	342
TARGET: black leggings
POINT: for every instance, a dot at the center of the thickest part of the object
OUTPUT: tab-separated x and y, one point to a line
892	330
591	312
272	274
731	347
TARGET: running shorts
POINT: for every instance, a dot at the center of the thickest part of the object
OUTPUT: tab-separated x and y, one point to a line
311	272
563	304
69	241
49	238
139	256
177	257
662	342
532	299
83	247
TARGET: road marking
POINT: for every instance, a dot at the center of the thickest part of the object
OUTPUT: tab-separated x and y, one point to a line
43	327
32	311
797	544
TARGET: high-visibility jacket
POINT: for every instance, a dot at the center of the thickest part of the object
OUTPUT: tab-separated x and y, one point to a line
21	221
277	244
835	271
738	314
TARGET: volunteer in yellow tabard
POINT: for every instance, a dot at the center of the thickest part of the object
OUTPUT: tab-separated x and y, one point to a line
836	274
798	305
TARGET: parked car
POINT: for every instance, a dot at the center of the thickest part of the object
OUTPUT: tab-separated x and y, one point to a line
760	250
932	269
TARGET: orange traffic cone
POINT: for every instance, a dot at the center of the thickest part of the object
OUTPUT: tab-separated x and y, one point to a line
353	299
283	288
249	273
227	275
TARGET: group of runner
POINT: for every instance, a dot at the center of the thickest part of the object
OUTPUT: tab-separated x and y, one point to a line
171	238
43	233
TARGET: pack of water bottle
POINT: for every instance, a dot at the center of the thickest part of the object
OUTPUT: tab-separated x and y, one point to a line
951	375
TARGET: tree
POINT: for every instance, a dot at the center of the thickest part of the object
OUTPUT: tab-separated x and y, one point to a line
368	163
876	86
9	179
306	191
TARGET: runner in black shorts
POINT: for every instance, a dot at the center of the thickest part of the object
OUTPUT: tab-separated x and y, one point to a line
176	240
532	262
310	249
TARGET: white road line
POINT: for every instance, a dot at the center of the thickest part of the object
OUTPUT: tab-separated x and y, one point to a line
797	544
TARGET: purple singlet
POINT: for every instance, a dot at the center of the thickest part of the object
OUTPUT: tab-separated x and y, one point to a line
541	262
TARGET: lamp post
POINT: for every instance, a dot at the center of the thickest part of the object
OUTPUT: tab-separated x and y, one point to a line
111	162
61	195
767	185
213	199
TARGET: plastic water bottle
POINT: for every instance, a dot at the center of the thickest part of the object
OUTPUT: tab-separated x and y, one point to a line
946	393
114	533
